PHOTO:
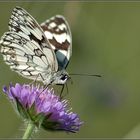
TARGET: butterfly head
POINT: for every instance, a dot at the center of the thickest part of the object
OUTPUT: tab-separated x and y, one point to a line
61	77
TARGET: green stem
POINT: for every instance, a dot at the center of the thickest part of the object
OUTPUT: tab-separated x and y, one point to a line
28	131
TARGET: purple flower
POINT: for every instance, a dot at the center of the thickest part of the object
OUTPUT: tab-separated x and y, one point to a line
42	107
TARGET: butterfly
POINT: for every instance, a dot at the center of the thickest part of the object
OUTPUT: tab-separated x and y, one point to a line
34	50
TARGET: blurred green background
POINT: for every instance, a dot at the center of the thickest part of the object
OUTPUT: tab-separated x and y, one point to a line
106	41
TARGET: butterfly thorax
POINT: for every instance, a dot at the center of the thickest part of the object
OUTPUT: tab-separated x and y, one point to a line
59	78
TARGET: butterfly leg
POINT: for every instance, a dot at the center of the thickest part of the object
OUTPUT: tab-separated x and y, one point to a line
35	80
44	87
63	86
62	89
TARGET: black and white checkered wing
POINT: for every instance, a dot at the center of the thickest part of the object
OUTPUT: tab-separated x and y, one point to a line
58	33
25	47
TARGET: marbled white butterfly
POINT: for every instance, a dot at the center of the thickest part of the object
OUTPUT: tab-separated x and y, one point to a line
35	50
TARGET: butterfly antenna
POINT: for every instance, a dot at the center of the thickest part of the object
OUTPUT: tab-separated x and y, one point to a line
82	74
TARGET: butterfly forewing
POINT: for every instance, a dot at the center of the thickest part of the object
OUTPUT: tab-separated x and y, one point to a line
58	33
34	50
25	47
20	57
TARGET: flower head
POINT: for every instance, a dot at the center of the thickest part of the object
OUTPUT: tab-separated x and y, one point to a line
42	107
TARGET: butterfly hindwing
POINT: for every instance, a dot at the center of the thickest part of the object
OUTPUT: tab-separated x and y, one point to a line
58	33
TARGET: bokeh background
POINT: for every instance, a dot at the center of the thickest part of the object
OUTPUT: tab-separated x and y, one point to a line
106	41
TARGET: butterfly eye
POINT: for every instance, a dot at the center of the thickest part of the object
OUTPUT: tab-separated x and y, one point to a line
64	77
